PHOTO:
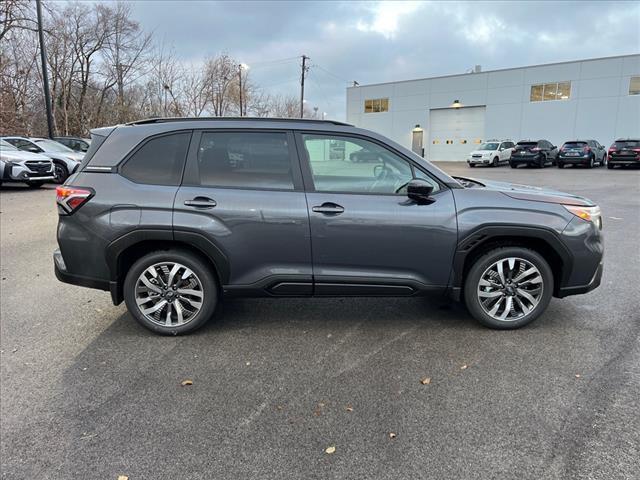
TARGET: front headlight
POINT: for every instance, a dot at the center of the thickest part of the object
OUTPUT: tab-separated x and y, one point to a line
589	214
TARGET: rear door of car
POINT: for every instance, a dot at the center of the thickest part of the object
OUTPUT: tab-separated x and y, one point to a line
242	201
368	238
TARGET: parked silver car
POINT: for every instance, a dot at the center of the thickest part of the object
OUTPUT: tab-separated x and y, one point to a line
18	166
65	160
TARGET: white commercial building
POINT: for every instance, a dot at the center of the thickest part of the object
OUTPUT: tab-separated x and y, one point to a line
446	117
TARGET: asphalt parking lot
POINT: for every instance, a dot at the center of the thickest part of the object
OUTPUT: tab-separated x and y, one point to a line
87	393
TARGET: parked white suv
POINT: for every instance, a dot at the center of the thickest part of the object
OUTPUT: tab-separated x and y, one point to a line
65	160
18	166
491	152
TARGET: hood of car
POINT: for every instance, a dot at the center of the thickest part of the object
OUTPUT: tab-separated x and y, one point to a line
21	156
482	152
75	156
527	192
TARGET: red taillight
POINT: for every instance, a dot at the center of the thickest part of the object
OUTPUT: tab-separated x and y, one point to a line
613	150
72	198
536	149
586	149
636	149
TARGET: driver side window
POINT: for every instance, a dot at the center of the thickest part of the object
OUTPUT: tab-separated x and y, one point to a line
354	165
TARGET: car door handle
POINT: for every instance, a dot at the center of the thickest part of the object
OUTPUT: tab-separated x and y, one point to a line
201	202
328	208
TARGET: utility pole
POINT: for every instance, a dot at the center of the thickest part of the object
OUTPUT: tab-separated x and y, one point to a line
240	83
305	69
45	74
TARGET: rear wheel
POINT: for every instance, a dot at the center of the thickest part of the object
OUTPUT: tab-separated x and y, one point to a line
512	165
590	163
560	165
171	292
495	162
542	162
508	287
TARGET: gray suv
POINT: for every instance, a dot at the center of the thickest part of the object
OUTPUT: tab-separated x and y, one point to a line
172	215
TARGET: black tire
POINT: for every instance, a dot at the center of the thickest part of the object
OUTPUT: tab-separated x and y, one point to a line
485	261
513	165
590	163
560	165
201	269
542	162
60	172
35	184
496	161
610	166
472	165
604	160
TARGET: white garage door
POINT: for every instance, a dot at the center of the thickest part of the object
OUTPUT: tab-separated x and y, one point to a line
454	132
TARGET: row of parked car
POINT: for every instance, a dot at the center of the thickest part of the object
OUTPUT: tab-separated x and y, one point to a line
35	161
540	153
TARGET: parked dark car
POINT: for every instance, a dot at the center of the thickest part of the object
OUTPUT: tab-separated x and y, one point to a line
582	152
624	152
171	228
536	153
74	143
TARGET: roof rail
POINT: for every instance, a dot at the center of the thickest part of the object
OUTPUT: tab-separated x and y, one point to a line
147	121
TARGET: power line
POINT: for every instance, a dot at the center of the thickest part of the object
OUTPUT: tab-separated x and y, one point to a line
315	65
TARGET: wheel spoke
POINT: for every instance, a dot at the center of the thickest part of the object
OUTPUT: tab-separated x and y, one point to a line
142	301
193	293
500	267
525	274
507	308
527	295
496	306
496	293
172	274
178	308
167	320
155	308
193	303
149	285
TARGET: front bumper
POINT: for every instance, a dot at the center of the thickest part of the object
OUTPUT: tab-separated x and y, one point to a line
479	161
20	173
577	290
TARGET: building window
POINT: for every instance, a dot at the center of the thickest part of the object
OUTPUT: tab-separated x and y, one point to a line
634	86
376	105
550	91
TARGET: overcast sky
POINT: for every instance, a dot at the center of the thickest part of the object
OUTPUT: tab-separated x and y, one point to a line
375	42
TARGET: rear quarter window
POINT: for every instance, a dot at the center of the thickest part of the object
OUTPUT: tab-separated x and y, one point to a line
158	161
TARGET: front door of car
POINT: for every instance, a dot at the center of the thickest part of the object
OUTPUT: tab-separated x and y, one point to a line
242	201
367	236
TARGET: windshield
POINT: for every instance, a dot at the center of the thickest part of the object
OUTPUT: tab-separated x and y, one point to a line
488	146
4	145
526	144
51	146
575	144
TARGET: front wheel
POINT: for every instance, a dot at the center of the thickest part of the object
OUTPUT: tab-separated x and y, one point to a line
508	287
495	162
171	292
35	184
60	173
610	166
542	162
512	165
590	164
560	165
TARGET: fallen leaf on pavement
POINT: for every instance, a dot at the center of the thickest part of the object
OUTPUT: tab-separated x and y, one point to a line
330	450
577	375
392	435
464	367
186	382
123	477
425	381
349	408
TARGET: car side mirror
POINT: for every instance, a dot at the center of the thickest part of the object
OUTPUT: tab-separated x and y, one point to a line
420	191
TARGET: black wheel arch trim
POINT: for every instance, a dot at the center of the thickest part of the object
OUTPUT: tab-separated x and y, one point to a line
482	235
195	240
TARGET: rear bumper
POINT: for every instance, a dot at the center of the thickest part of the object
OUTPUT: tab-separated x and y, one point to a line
574	160
525	159
624	160
64	276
